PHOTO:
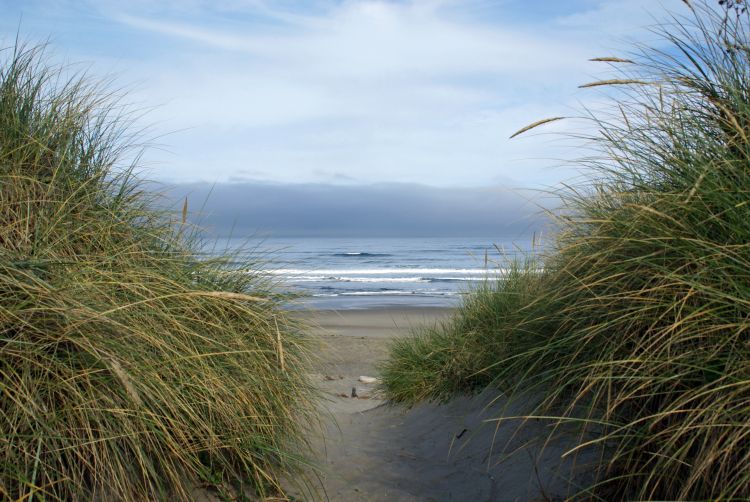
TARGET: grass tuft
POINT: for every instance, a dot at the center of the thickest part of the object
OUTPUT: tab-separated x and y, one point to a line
641	317
460	354
129	369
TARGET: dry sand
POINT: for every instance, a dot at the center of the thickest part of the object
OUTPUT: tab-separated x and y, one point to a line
372	451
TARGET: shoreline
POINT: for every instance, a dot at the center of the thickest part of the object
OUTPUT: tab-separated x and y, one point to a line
391	320
351	343
375	302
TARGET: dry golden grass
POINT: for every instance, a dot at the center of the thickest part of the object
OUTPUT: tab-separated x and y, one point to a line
639	328
130	369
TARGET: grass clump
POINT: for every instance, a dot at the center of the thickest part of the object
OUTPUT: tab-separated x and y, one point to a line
459	355
130	370
642	315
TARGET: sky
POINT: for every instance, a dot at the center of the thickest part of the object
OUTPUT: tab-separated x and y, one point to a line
347	94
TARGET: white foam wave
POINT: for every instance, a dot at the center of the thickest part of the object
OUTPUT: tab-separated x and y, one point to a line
389	293
421	272
324	278
355	279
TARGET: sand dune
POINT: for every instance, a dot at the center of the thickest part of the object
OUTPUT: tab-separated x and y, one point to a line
371	451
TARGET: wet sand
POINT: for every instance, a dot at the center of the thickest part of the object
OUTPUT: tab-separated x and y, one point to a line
355	341
371	451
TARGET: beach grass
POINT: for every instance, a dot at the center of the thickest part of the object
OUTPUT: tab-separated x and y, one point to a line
638	329
459	354
130	369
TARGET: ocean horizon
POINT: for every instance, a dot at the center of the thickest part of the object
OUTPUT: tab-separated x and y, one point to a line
363	273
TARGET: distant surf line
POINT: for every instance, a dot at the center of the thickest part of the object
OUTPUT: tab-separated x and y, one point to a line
324	278
384	271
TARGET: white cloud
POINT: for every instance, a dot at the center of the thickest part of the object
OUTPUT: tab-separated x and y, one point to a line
368	90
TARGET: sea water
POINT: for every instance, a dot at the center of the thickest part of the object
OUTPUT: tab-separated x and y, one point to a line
354	273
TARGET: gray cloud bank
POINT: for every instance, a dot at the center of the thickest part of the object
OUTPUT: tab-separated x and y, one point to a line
381	210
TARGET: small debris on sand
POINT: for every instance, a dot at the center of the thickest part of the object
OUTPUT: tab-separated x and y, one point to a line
367	379
377	453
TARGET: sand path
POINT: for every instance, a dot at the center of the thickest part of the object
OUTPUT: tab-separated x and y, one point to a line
370	451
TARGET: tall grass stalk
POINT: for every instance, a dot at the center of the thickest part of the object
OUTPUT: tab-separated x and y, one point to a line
129	369
641	321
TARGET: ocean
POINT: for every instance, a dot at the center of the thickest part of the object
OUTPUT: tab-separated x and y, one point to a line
361	273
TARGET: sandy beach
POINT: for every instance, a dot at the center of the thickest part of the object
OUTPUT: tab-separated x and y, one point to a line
372	451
